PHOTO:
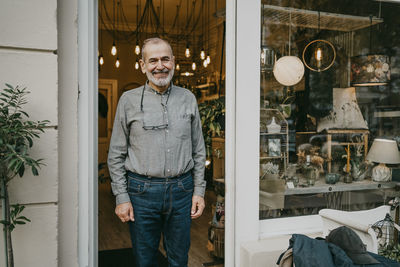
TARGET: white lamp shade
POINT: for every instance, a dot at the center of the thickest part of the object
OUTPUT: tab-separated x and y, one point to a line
288	70
384	151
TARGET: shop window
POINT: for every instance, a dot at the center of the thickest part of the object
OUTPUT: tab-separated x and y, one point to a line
330	88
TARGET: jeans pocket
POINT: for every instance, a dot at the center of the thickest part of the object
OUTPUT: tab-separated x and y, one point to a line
136	187
186	184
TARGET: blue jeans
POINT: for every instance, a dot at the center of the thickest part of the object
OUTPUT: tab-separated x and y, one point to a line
160	205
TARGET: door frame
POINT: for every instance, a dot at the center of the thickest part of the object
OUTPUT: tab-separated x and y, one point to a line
88	135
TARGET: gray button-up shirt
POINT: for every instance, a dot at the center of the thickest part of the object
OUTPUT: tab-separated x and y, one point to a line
156	135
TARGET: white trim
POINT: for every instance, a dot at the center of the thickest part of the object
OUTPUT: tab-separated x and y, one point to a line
230	137
248	25
287	226
87	136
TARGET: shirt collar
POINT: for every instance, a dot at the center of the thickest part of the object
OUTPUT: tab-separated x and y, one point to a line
151	89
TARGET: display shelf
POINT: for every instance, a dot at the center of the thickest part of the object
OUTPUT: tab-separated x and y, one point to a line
315	19
267	139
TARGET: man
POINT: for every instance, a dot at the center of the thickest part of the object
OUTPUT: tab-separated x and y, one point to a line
156	160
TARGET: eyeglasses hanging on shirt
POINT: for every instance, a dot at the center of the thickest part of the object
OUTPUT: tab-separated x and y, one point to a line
153	120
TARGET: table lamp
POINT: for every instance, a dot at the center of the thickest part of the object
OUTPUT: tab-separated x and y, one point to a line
383	151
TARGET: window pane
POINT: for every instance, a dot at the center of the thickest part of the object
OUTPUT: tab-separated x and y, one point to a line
330	89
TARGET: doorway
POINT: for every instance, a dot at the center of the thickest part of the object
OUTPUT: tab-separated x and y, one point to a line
196	31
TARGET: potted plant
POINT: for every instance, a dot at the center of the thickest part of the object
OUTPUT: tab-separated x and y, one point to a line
212	115
16	139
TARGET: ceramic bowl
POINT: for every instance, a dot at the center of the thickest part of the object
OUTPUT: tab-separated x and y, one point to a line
332	178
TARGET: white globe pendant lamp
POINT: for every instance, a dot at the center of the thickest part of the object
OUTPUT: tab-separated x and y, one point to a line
288	70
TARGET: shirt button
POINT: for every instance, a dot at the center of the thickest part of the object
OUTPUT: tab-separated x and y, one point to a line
166	130
168	170
167	150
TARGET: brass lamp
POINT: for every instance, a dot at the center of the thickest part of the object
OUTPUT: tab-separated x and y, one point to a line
383	151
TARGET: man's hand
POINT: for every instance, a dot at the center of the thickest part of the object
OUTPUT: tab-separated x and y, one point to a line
197	206
124	212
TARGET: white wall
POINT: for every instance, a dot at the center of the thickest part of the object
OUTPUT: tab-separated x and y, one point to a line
68	132
28	40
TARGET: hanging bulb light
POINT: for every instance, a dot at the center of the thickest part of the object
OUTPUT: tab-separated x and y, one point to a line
187	51
178	67
137	48
101	60
202	54
318	57
205	64
113	49
194	66
117	63
208	59
136	65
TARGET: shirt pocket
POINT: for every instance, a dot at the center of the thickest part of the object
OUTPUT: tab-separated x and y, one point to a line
181	126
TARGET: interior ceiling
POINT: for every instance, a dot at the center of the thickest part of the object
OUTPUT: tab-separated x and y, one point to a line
165	18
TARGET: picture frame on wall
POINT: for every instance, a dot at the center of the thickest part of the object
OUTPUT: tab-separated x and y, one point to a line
274	147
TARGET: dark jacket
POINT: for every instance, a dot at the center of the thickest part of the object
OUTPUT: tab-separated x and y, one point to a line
308	252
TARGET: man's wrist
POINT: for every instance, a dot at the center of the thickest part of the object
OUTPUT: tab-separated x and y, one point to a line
199	191
122	198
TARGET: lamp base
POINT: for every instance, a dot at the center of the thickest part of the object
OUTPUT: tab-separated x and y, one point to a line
381	173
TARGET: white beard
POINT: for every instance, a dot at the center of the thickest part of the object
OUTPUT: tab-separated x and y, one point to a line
160	81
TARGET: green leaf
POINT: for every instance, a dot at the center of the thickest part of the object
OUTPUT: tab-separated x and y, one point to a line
35	171
21	170
9	86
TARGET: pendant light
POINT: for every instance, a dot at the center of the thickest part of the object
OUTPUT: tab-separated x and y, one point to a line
178	67
371	69
202	54
136	65
288	70
114	47
117	63
101	60
137	47
319	55
205	64
187	50
194	66
208	58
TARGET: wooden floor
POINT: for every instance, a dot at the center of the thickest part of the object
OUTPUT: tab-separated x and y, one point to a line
113	234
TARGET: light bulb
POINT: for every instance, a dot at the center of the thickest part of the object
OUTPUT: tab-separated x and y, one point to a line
117	63
137	49
101	60
208	59
208	162
177	67
318	57
136	65
202	54
318	54
193	66
187	51
187	73
205	64
113	50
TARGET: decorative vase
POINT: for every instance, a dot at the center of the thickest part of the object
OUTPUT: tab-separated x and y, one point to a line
273	127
